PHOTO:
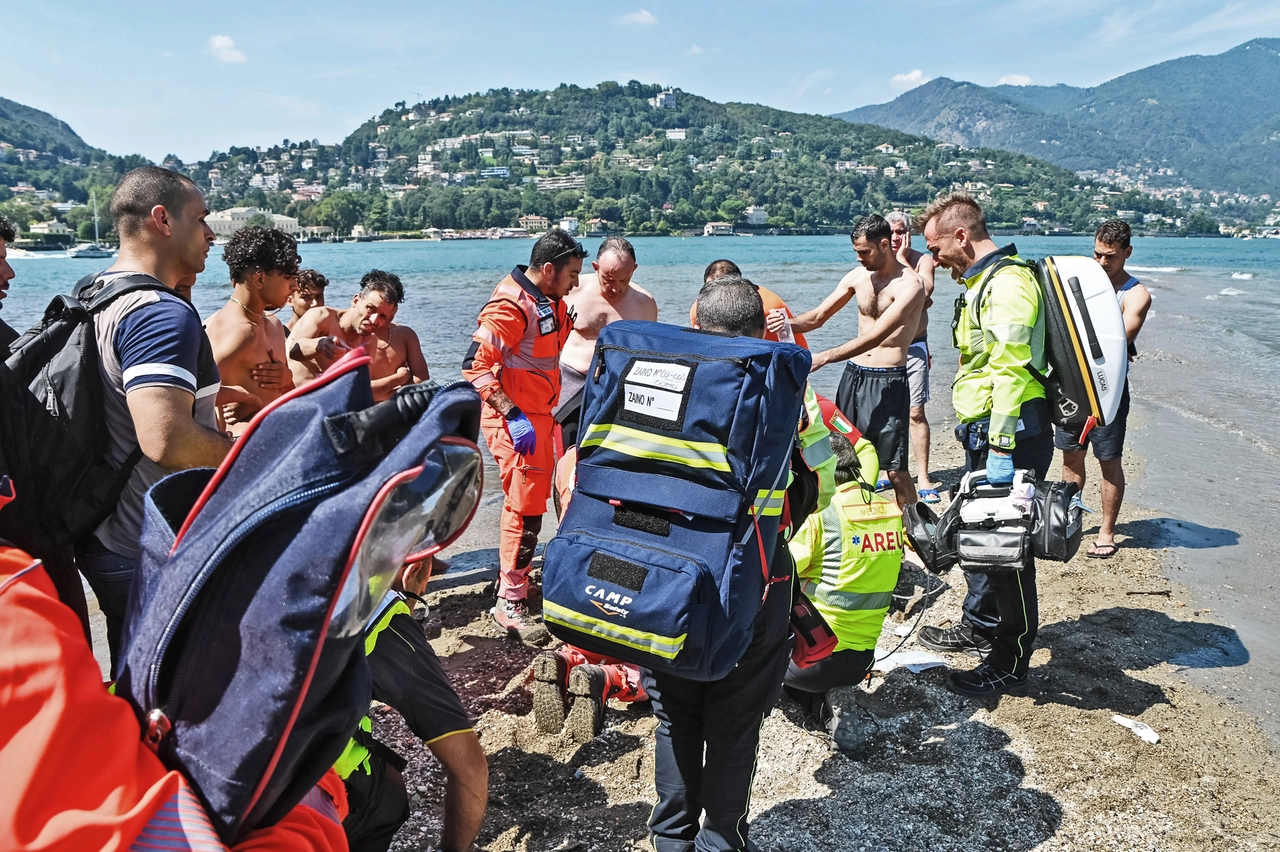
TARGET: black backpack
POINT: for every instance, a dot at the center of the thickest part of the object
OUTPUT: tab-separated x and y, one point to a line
53	435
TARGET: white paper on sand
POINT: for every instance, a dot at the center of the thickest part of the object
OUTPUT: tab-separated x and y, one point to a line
913	661
1142	729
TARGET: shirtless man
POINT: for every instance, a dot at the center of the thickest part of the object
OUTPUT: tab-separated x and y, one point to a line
324	334
248	343
873	391
601	298
398	360
918	357
1111	248
307	295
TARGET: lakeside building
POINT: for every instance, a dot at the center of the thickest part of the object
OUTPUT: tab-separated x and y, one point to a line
224	223
717	229
569	224
534	223
53	226
756	215
678	134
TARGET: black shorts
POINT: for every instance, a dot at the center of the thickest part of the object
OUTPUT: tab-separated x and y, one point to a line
408	676
568	410
1107	441
878	401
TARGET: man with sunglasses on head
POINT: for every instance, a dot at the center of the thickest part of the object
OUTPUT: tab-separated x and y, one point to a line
514	363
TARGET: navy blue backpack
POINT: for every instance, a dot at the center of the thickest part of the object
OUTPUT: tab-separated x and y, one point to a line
684	452
243	649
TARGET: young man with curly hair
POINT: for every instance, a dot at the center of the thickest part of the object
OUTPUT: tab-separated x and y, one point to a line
248	342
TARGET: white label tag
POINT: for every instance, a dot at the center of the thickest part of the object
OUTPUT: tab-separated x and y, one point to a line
652	402
672	377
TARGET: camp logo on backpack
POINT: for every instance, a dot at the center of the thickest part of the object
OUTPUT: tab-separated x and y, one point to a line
52	426
683	454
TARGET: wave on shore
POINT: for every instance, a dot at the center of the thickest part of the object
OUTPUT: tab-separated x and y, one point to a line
1242	276
1231	291
1159	269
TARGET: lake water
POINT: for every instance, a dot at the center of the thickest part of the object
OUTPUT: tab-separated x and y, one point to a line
1206	392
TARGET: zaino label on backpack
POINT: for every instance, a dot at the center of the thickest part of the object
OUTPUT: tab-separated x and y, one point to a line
657	390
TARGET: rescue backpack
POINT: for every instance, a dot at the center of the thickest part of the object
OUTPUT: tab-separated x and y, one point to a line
1085	344
53	435
684	450
243	646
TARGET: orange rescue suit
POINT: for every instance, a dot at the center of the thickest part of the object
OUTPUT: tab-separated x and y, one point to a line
76	773
516	348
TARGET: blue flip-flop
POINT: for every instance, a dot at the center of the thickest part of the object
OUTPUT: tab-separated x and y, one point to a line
883	484
930	495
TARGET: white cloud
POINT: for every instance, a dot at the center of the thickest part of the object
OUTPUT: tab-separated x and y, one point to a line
693	50
909	80
801	85
644	17
224	50
1014	80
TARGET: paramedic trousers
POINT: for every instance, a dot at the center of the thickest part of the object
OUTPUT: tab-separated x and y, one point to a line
1005	607
724	717
526	485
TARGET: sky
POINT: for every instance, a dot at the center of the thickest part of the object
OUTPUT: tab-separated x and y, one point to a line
163	78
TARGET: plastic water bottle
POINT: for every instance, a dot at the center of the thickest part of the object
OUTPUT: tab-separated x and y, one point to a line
785	336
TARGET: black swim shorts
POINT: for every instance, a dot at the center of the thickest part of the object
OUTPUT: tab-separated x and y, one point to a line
878	401
1107	441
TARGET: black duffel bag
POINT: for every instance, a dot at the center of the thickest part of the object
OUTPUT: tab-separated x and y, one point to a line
1057	524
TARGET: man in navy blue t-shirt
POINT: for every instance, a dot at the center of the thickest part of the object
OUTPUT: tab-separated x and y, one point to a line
159	375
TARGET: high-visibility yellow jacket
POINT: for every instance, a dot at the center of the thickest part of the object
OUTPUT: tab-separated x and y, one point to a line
814	440
997	339
356	754
848	557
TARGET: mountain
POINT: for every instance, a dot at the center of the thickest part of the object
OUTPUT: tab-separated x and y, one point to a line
1213	120
29	128
641	158
644	159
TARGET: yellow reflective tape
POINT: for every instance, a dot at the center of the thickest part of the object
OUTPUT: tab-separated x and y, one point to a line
769	503
644	445
639	640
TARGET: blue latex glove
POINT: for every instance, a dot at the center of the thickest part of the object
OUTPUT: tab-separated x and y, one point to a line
999	468
523	436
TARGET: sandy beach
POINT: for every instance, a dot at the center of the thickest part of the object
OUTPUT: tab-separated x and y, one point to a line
1047	771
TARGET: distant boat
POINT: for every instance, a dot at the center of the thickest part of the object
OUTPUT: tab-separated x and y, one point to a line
93	249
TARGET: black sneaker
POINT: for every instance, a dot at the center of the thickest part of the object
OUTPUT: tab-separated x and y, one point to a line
985	681
958	639
516	619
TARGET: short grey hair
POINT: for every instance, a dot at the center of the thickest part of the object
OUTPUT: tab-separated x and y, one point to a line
731	305
900	216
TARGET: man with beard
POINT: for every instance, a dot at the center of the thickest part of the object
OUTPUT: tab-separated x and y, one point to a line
324	334
1004	426
873	391
514	364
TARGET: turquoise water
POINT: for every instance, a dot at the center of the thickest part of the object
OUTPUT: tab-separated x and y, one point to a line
1205	388
447	282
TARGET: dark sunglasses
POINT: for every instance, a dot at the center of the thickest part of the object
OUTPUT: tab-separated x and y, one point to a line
576	250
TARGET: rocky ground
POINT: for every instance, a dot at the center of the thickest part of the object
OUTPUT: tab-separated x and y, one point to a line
1050	770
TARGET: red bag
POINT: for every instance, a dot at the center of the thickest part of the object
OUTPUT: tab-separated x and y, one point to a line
814	639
